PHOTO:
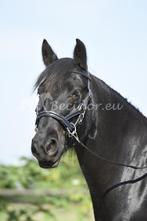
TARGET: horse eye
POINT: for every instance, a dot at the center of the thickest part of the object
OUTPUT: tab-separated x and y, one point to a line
76	95
73	98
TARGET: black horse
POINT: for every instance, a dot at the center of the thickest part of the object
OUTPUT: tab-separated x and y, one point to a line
77	110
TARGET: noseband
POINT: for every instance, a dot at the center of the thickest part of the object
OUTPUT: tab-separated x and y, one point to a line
66	121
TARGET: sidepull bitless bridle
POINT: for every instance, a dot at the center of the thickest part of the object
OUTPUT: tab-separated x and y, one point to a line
70	128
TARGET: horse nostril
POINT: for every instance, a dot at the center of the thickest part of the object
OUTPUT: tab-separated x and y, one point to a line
51	148
34	148
34	151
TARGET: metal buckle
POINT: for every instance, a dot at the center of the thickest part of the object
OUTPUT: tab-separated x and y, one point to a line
81	117
72	133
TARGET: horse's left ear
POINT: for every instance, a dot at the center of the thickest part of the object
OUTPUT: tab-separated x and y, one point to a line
48	54
80	55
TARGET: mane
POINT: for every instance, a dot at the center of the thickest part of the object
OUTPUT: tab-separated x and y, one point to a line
120	98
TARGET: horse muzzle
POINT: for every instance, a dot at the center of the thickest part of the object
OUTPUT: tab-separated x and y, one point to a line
49	154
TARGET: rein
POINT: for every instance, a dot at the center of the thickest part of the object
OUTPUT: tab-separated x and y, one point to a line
71	130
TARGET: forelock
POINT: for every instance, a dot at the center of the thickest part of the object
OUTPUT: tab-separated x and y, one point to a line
55	72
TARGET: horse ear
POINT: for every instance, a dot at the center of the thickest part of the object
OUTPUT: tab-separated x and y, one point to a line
80	55
47	53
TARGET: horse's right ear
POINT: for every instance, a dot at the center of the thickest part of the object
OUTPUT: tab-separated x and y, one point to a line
48	54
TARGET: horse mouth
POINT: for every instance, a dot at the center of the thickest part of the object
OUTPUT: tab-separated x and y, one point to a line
48	164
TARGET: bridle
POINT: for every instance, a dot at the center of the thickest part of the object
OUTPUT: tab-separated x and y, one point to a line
71	130
79	114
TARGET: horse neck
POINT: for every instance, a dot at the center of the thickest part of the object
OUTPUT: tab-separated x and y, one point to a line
117	131
121	137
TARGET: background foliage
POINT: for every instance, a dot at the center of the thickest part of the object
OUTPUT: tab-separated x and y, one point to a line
29	193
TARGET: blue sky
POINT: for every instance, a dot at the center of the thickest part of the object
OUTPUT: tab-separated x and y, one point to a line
114	32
